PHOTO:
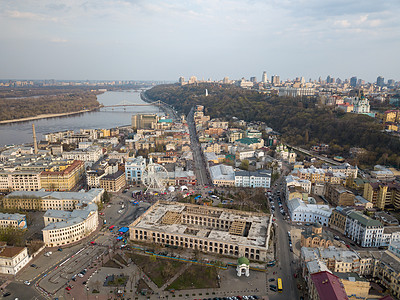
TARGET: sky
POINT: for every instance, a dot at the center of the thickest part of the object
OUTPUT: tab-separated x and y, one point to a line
162	39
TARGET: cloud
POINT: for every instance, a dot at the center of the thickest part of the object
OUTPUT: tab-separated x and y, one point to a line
16	14
59	40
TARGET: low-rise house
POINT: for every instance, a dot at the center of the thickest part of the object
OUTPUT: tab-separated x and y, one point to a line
13	259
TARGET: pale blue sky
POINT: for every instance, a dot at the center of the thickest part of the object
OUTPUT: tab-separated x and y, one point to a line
162	40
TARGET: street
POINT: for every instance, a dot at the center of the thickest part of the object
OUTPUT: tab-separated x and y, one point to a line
202	174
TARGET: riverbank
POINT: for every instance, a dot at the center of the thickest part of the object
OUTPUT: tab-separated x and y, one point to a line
47	116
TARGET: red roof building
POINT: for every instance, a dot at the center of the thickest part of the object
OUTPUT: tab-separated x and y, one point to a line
326	286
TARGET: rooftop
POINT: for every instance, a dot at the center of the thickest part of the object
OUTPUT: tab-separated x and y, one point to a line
328	286
156	216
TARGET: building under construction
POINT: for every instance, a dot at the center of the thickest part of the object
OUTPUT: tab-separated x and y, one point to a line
208	229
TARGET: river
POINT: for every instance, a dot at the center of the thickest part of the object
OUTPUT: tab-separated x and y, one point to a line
21	132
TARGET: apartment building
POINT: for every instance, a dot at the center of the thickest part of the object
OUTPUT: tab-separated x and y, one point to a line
338	195
363	230
260	178
88	155
134	168
113	182
63	177
382	194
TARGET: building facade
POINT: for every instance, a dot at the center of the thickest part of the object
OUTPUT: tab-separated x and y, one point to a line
13	259
62	178
261	178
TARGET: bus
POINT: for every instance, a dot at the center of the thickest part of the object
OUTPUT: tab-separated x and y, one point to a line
280	288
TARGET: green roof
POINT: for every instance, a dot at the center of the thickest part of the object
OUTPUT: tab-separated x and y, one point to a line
243	260
364	220
165	121
248	141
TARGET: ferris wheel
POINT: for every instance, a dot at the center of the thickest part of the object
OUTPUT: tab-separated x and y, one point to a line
155	177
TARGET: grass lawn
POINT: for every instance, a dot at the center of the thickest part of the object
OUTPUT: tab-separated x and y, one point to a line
196	277
157	269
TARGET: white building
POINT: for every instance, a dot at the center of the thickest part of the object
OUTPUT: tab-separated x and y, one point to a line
296	181
134	168
296	92
260	178
363	230
13	259
64	227
222	175
391	234
310	213
13	220
89	155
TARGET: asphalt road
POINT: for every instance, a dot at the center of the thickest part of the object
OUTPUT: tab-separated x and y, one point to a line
22	291
202	174
284	256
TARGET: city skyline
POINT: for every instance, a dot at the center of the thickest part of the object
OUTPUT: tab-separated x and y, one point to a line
155	40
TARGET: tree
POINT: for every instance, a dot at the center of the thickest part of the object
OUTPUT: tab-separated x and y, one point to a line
244	165
106	197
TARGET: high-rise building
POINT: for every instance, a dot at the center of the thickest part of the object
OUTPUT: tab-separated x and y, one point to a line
181	80
264	77
380	81
253	79
226	80
391	82
275	80
353	81
328	79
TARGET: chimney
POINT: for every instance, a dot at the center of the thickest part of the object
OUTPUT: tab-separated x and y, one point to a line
34	139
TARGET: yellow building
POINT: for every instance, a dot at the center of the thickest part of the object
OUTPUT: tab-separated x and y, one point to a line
382	194
315	238
391	116
113	182
62	178
387	273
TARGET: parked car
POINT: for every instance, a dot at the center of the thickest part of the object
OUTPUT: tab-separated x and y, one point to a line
68	288
60	249
271	279
27	282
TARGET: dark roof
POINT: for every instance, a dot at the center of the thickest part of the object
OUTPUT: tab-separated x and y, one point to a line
115	175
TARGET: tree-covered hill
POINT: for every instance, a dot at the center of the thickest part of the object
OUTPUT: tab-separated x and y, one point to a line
292	117
18	108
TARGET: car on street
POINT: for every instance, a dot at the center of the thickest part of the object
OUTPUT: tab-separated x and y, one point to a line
68	288
60	249
6	294
33	265
27	282
108	206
